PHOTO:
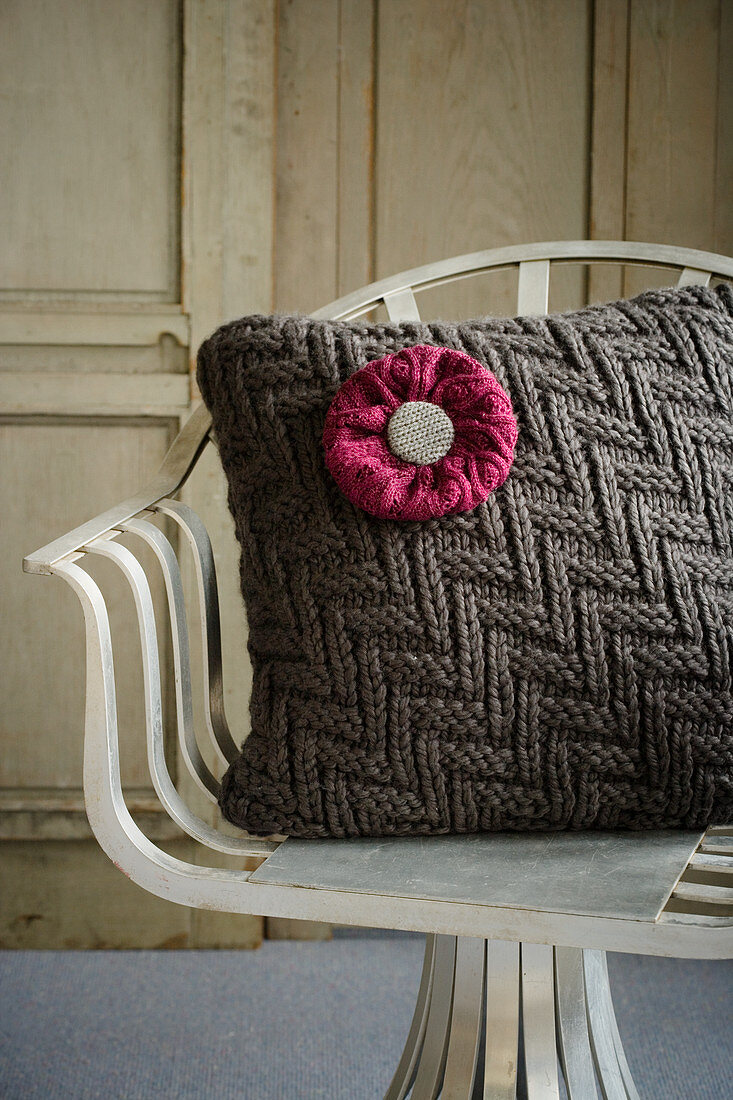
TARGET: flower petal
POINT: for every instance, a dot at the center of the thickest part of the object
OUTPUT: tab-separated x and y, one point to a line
356	444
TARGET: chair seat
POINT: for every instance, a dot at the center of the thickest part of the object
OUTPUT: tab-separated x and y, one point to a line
625	875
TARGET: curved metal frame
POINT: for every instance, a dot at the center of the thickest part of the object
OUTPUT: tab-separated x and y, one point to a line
465	1027
533	261
470	986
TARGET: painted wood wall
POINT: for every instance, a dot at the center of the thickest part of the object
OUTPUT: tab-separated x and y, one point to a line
176	163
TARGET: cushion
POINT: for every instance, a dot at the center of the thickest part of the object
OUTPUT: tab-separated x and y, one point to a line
518	620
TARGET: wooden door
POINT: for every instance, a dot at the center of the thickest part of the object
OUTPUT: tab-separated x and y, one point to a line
117	259
177	163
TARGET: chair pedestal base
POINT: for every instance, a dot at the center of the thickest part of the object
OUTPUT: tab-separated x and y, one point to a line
495	1020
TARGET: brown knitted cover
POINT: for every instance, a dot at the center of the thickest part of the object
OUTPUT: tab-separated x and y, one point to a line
559	657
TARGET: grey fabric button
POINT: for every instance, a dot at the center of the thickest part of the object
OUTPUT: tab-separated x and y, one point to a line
420	432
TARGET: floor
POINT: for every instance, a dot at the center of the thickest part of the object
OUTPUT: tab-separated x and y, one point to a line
302	1020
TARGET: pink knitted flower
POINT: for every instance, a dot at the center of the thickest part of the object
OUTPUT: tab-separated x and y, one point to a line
422	433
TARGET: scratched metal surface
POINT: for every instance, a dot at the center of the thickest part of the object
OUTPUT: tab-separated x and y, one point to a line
615	874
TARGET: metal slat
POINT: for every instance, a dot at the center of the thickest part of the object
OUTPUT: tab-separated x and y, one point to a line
432	1061
614	1075
718	862
694	276
715	870
717	845
502	1020
169	797
697	920
401	305
192	758
538	1022
573	1038
118	834
405	1073
708	895
205	569
533	291
465	1026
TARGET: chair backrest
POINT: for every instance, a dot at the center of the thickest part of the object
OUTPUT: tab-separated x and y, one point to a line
534	263
66	556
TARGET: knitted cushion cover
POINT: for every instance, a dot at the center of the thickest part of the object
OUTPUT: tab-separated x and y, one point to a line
558	656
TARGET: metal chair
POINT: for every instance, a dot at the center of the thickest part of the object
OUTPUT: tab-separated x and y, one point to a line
516	925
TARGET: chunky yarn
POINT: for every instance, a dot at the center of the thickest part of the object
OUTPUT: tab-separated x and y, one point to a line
558	656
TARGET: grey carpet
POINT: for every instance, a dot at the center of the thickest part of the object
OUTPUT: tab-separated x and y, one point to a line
301	1020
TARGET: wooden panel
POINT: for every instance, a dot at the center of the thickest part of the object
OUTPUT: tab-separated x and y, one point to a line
55	475
482	134
285	928
94	394
95	123
69	895
307	154
167	357
228	244
607	220
54	323
27	323
391	134
38	813
90	193
356	134
324	184
325	151
672	127
248	140
325	200
229	112
723	235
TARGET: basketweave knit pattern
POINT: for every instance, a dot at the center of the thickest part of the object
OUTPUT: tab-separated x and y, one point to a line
559	657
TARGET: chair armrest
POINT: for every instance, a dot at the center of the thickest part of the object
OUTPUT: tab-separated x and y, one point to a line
175	468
